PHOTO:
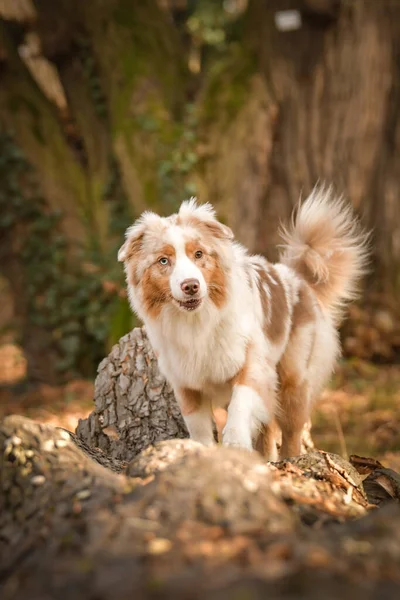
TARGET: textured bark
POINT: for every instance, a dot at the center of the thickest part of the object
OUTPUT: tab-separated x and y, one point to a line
134	405
185	522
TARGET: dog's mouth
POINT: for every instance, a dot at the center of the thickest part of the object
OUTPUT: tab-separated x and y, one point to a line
191	304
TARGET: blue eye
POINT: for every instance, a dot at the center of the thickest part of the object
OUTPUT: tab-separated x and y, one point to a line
163	261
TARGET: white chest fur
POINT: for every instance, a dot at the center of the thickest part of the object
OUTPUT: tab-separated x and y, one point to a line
198	352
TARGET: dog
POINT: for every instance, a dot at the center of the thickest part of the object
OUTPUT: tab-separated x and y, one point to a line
231	330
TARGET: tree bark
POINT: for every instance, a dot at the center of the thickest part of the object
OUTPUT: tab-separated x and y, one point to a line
185	521
296	107
134	405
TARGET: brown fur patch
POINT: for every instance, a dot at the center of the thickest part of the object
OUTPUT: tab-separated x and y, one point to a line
213	273
156	291
210	227
191	247
155	282
294	414
216	283
134	249
132	246
167	250
266	442
274	306
279	308
189	401
304	310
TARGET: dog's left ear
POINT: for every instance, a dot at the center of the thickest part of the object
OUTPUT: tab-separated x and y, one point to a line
133	243
204	215
134	235
130	247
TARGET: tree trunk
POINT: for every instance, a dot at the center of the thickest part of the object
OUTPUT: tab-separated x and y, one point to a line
184	521
319	103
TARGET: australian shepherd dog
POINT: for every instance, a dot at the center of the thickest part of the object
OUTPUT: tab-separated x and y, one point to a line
235	331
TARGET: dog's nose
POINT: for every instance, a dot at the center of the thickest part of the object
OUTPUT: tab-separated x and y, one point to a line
190	286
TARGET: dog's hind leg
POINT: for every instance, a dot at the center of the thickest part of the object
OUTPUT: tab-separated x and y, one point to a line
267	441
293	413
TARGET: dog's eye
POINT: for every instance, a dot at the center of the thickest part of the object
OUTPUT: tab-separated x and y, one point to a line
198	254
163	261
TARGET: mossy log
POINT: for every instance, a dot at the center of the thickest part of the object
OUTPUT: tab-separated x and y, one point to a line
185	521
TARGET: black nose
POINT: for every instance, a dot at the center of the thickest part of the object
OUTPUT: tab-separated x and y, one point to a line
190	286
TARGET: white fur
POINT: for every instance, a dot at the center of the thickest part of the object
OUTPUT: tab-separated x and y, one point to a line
184	267
199	425
246	413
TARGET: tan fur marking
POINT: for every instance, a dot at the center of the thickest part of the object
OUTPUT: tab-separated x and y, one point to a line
279	308
212	272
155	284
275	306
265	303
304	310
134	250
191	247
294	414
269	436
211	227
189	401
167	250
134	246
216	284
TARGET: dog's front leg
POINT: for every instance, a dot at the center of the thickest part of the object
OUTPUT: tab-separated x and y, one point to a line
197	414
252	403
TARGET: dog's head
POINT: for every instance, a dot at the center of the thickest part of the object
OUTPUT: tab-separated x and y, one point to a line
179	261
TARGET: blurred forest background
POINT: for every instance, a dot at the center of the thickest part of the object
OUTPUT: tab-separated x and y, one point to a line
108	107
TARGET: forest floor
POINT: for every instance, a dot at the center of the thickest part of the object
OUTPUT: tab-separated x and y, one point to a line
358	414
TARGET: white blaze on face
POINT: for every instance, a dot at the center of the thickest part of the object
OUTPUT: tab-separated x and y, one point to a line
184	267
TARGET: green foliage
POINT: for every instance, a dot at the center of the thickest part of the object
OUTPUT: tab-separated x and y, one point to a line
227	86
93	78
73	298
176	168
208	22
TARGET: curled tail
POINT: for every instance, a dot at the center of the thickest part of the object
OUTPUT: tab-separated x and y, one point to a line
327	247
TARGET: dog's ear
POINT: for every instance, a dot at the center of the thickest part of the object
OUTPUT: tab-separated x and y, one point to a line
134	235
204	215
218	230
131	246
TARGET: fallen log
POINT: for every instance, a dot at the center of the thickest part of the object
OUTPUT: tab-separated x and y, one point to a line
185	521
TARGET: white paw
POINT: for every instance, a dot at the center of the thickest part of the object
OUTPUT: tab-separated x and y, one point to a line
231	436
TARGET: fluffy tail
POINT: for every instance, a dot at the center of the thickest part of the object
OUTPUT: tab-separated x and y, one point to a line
327	247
